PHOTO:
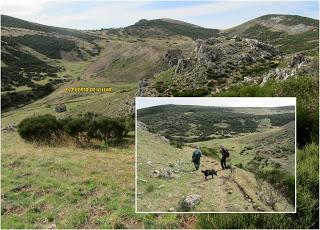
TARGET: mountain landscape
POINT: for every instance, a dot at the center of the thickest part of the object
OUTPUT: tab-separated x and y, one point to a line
273	55
261	141
169	57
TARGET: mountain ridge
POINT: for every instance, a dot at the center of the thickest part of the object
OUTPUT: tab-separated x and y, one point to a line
156	49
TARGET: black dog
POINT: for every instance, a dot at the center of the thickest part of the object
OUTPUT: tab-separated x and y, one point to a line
209	172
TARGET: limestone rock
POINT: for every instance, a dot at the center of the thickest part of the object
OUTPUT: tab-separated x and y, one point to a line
172	56
190	202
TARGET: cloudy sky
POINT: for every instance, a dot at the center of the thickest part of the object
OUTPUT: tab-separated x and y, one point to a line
143	102
98	14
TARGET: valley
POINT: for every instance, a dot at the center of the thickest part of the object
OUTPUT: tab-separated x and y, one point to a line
261	147
43	185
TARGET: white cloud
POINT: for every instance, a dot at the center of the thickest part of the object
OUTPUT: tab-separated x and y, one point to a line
23	8
101	13
106	13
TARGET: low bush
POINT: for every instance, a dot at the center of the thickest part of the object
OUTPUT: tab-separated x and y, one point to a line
82	129
212	152
281	180
39	128
177	143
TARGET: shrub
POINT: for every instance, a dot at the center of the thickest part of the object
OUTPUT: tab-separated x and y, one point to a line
39	129
213	152
150	188
89	126
74	126
280	179
177	143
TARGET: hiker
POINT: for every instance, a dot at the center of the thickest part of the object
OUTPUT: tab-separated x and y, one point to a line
196	157
225	153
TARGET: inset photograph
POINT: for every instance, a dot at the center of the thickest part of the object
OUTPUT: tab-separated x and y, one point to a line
196	154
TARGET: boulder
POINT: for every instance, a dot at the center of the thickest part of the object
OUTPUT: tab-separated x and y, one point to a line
61	108
161	186
189	202
247	79
237	38
167	173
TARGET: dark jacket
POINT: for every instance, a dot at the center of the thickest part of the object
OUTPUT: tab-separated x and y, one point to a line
196	154
224	152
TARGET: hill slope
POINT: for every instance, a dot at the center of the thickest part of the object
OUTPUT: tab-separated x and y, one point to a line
190	123
33	57
290	33
229	191
162	28
37	59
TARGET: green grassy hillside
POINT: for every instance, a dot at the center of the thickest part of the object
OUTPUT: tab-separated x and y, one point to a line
229	191
165	27
290	33
12	22
67	187
31	54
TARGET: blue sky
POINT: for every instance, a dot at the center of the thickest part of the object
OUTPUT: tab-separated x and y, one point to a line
144	102
105	14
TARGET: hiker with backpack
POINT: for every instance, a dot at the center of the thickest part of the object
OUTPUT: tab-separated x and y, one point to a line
196	155
225	153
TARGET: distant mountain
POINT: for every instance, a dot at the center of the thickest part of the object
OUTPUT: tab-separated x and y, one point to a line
290	33
12	22
166	27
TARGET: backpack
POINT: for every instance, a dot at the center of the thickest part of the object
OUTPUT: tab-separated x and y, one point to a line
227	154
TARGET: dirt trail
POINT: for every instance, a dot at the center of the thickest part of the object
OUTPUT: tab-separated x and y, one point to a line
221	193
233	190
227	186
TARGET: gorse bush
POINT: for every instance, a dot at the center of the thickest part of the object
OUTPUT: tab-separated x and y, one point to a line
44	128
40	128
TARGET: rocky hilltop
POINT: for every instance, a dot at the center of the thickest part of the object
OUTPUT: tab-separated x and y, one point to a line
216	64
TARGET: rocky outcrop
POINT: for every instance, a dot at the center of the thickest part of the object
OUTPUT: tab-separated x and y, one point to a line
298	60
183	65
216	64
9	128
297	66
141	126
172	56
235	51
